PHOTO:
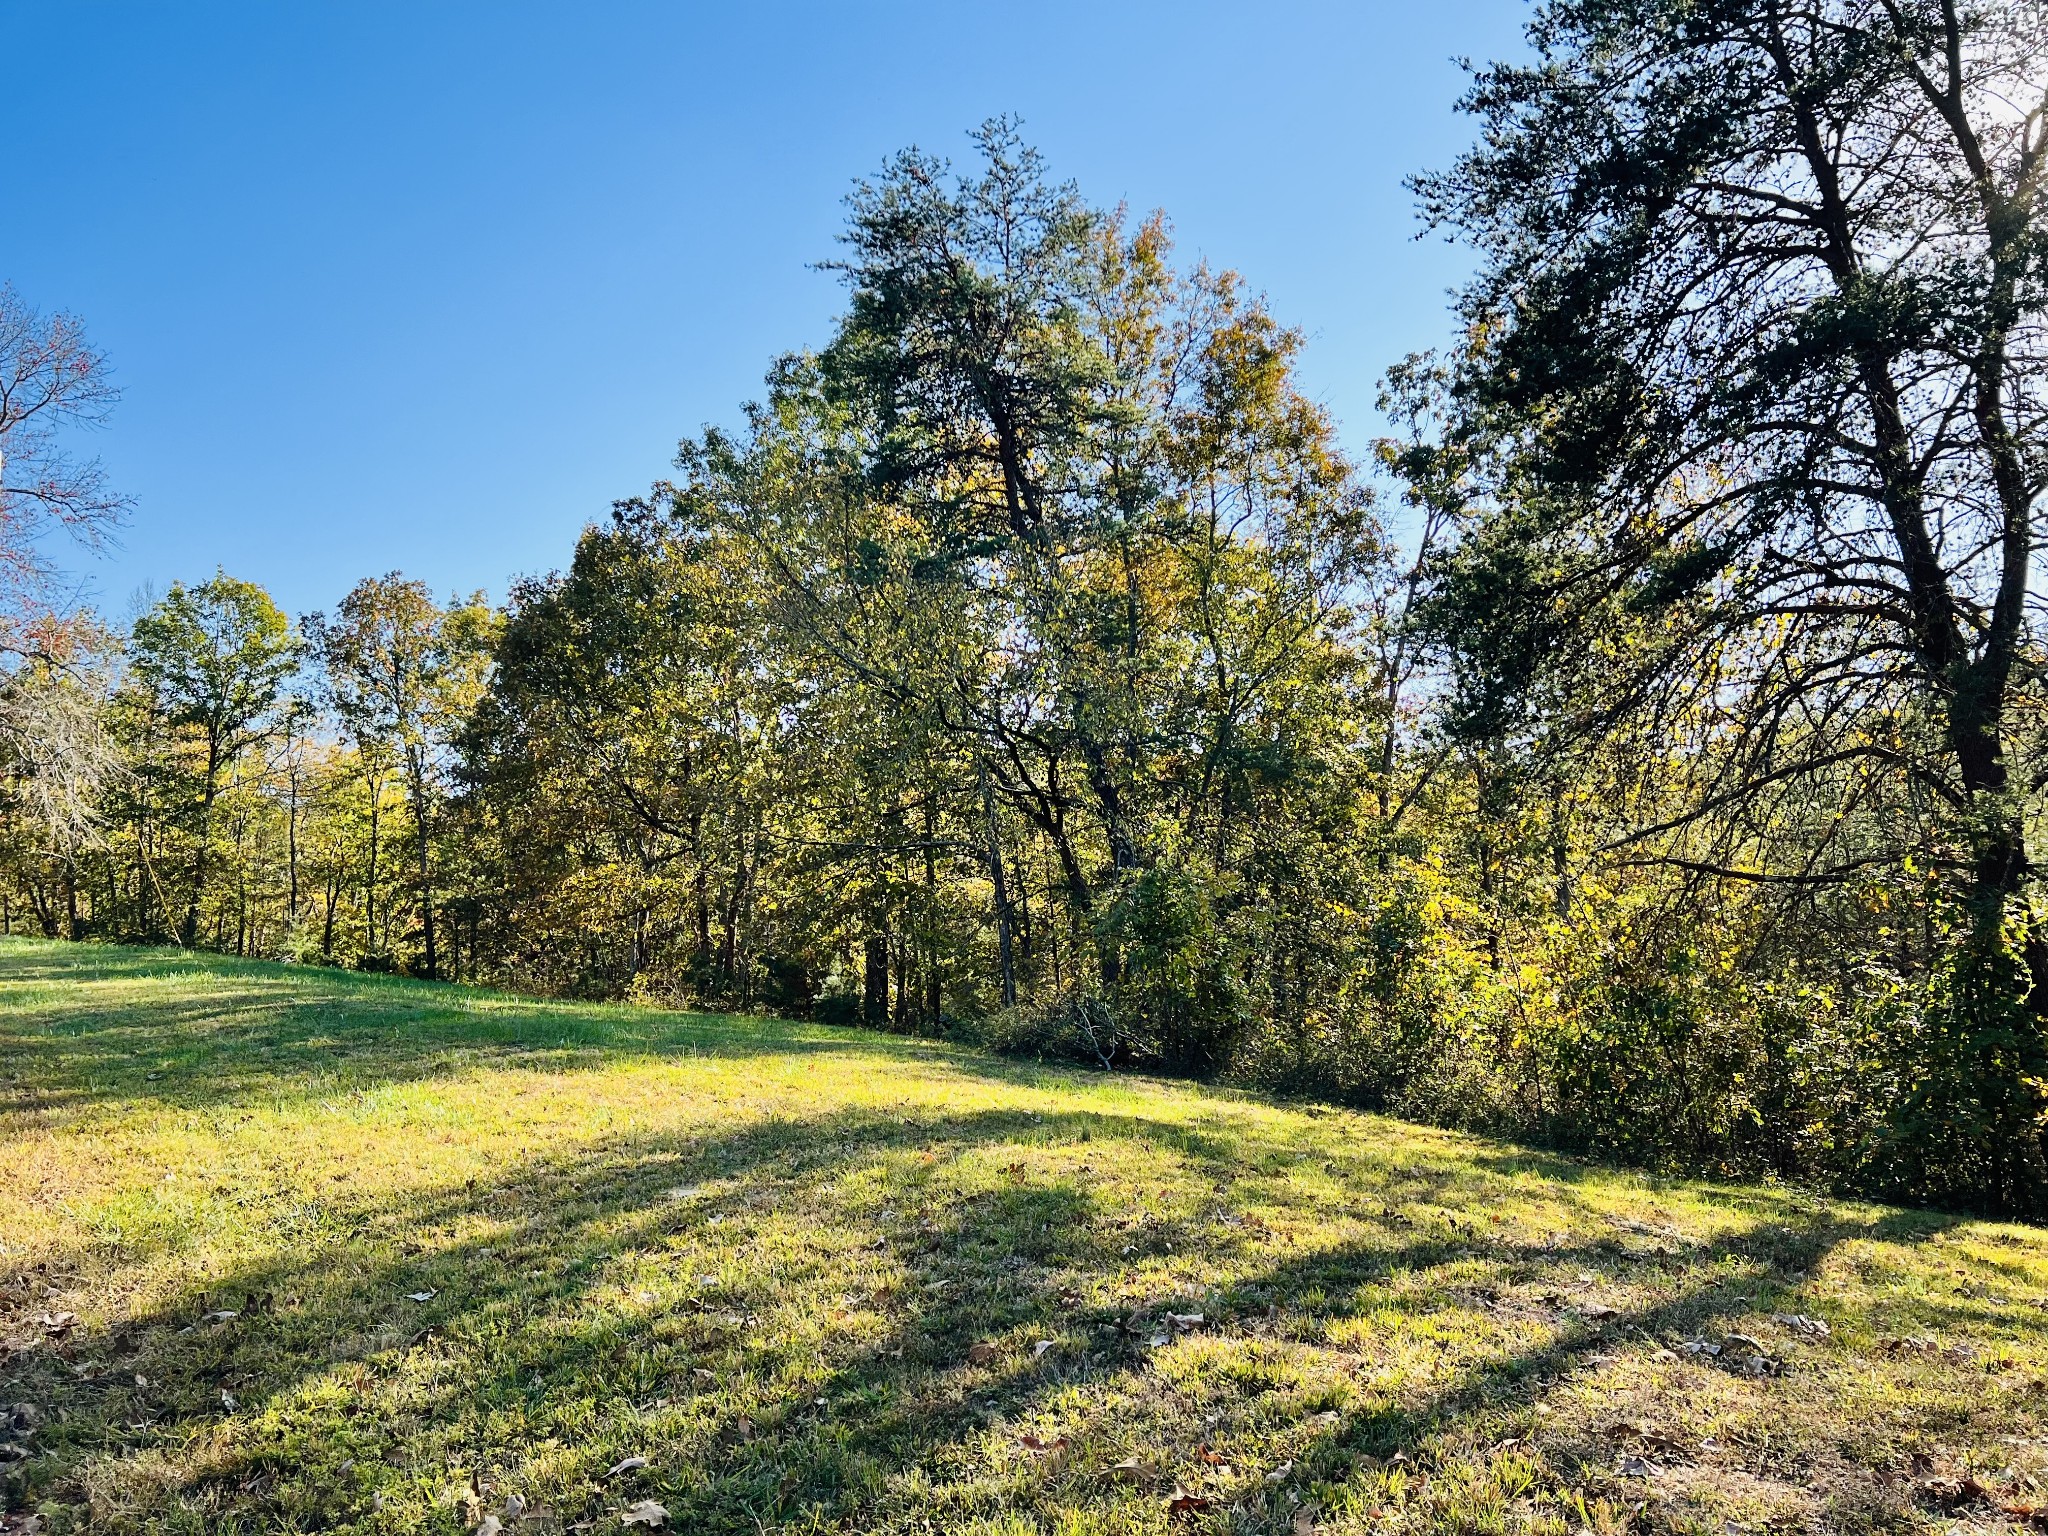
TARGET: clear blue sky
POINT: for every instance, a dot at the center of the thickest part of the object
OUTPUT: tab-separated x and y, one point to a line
425	286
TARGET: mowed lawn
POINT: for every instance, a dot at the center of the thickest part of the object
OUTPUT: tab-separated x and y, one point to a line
284	1249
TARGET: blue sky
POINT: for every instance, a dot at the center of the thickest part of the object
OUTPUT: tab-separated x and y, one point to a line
426	286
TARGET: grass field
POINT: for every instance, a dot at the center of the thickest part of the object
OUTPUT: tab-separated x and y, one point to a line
290	1250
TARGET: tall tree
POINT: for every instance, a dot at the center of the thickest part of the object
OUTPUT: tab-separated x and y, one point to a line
52	384
215	658
1759	358
401	672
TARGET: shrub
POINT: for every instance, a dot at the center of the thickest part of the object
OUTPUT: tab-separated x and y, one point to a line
1068	1026
1179	1000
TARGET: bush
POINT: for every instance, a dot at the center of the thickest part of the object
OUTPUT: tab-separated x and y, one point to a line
837	1007
1968	1118
1392	1010
1069	1026
1179	998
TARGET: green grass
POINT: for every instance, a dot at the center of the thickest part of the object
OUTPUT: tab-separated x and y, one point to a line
822	1280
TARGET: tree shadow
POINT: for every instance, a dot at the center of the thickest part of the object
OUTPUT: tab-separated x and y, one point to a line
262	1029
836	1321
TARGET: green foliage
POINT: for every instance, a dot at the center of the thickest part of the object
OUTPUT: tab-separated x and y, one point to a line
216	657
1180	992
1067	1026
1968	1122
210	663
1738	439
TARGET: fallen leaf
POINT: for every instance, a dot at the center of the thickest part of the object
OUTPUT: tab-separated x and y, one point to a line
1599	1311
1127	1470
980	1353
1185	1319
1800	1323
1038	1447
515	1507
1281	1473
224	1315
1634	1466
1039	1349
1654	1438
1304	1522
1184	1504
647	1513
630	1464
1953	1492
421	1295
490	1525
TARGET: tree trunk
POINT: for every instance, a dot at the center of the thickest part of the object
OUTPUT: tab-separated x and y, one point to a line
419	816
333	894
190	928
1004	956
874	1009
370	879
291	842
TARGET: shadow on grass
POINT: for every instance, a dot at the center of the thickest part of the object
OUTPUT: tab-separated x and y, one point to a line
783	1320
233	1030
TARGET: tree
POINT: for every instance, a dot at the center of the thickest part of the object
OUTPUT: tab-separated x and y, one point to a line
401	672
57	758
1755	386
51	382
629	756
1063	507
215	659
53	729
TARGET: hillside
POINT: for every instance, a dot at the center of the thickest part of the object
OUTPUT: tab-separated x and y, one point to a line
286	1249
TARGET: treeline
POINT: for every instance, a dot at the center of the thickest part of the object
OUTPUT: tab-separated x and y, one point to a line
218	776
1638	753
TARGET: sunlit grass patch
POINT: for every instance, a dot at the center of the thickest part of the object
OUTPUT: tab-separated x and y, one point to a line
296	1250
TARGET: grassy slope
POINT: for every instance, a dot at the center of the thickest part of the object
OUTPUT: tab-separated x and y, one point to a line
761	1256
